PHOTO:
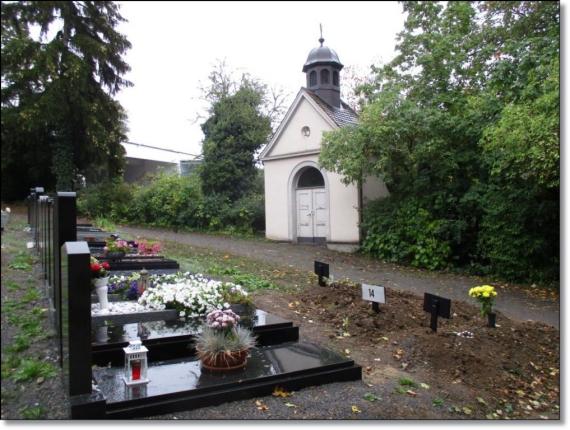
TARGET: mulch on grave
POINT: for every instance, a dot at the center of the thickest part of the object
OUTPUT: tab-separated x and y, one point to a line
515	364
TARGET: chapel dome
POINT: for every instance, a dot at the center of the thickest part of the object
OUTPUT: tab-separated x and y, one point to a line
322	55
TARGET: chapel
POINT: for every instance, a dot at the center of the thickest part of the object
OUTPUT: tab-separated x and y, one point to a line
303	202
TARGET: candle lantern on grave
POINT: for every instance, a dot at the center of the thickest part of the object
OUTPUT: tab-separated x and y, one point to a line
136	364
143	281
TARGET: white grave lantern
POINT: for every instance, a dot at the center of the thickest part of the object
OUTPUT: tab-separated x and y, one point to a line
136	365
144	281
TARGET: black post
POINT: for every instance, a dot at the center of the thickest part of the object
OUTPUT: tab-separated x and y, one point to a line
76	317
39	192
434	314
376	307
64	230
49	244
29	201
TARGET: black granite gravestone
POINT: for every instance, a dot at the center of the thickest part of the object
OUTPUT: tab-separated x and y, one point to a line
64	230
76	317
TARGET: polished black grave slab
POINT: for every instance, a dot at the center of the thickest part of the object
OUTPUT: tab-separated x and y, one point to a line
182	384
167	339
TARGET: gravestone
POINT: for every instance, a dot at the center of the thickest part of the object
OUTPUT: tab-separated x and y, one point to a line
64	230
76	317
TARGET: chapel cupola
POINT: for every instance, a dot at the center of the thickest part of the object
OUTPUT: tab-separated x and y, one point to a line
323	73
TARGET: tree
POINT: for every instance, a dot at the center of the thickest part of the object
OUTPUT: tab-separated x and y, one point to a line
463	126
59	118
238	126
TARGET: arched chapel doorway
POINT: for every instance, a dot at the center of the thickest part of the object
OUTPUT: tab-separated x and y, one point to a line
311	208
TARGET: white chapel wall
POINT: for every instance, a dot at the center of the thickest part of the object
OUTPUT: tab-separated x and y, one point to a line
291	140
343	203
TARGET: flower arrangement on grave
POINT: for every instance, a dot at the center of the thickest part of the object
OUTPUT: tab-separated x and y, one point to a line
192	296
100	279
223	344
148	247
116	246
238	298
485	295
99	270
127	287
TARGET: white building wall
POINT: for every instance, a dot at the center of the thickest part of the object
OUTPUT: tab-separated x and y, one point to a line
344	226
291	139
280	200
276	175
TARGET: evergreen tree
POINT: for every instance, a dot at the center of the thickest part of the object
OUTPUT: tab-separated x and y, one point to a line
59	118
234	132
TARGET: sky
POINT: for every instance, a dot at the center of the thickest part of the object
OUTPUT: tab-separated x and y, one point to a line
175	45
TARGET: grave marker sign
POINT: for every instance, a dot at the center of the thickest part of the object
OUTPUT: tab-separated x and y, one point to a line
375	294
438	307
322	271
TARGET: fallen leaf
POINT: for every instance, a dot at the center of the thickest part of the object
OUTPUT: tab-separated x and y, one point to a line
424	386
290	405
261	406
347	351
411	393
467	411
355	409
280	392
291	305
481	400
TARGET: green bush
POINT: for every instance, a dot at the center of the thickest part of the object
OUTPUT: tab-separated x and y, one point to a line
166	201
174	201
403	231
112	200
519	234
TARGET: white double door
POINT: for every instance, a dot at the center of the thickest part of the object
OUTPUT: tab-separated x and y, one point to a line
312	213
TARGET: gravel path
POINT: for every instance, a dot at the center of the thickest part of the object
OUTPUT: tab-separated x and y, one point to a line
515	302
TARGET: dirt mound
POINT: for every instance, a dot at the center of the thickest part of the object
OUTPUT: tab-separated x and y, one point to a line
516	362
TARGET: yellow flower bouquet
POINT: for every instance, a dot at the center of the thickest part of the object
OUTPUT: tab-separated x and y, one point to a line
485	295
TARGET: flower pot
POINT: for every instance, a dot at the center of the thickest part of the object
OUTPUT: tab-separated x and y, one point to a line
115	255
102	334
491	319
102	290
227	361
243	310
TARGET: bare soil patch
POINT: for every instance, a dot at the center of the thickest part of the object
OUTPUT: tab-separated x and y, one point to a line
508	371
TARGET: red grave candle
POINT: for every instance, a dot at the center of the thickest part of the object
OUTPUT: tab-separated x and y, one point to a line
136	369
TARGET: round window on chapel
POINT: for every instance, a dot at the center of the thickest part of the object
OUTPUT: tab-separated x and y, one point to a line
306	131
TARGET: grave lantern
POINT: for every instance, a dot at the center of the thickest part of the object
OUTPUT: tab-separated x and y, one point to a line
143	281
136	365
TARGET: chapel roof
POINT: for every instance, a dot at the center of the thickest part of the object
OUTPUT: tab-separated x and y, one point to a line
342	116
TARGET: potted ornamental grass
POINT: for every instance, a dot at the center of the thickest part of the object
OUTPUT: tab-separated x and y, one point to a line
223	345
